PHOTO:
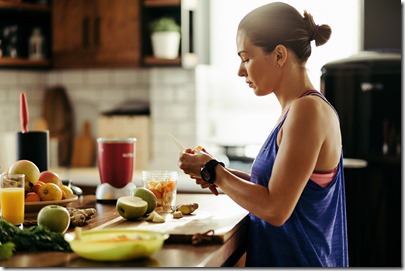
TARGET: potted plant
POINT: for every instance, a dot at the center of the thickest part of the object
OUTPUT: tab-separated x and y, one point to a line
165	36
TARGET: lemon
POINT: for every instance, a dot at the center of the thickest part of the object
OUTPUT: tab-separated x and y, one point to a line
68	191
56	218
50	192
130	207
147	196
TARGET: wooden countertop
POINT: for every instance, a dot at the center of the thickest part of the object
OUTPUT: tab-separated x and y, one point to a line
231	228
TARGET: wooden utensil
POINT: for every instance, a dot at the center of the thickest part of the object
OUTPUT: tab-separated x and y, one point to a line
182	148
83	148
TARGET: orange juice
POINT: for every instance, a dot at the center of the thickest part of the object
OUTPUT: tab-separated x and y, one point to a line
12	204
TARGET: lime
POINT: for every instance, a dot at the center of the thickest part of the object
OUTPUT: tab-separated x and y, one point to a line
147	196
130	207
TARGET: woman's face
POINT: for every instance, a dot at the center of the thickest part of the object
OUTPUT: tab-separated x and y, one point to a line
259	68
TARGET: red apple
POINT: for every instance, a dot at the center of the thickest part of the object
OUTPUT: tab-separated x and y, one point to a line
26	167
37	186
50	177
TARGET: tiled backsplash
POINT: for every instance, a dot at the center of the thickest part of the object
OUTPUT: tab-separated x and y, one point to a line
170	91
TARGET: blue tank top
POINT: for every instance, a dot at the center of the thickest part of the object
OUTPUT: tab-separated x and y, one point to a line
316	233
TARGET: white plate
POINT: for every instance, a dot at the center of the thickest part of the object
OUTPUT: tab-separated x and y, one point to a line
31	207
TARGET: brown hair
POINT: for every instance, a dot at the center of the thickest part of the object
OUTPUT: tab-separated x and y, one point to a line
279	23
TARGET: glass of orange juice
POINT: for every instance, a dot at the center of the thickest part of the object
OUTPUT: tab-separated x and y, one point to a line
12	197
164	185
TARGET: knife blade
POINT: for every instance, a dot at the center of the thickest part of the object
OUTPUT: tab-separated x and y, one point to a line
177	142
182	148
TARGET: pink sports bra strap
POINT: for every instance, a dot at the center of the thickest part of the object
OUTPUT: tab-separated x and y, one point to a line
309	92
317	93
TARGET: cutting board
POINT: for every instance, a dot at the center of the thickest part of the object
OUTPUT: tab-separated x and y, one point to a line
215	220
57	111
83	148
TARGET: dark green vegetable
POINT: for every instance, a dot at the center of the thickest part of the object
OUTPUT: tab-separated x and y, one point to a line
6	250
33	239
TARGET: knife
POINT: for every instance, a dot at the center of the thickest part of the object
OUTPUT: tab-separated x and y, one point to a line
182	148
23	112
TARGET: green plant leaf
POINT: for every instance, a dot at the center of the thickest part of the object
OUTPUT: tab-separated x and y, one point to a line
164	24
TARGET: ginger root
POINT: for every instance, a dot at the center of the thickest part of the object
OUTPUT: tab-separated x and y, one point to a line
79	217
187	209
177	214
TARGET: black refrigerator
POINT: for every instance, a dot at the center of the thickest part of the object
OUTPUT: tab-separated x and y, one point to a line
366	91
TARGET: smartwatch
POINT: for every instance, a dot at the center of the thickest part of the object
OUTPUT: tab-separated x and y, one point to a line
208	171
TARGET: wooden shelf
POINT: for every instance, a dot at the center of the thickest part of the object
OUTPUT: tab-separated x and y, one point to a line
22	62
153	61
24	6
160	3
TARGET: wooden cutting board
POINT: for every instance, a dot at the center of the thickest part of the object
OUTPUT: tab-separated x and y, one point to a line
84	148
216	221
57	111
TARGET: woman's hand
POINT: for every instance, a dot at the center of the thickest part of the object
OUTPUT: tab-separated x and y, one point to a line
191	161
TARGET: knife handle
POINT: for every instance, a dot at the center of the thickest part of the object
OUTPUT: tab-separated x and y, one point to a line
213	190
23	112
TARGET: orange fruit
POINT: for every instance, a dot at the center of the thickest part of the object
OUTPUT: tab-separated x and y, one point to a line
50	191
32	197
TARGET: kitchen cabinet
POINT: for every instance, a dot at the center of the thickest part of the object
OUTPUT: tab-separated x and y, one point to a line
151	10
18	19
95	33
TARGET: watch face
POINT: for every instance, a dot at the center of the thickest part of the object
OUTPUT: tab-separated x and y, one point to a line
205	175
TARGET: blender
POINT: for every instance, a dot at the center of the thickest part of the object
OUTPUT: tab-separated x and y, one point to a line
116	162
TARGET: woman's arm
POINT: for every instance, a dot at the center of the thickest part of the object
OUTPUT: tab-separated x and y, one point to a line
302	138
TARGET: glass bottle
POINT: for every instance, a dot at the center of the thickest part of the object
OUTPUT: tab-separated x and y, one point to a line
36	44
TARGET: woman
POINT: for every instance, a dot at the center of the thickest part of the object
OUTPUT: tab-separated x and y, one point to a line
295	193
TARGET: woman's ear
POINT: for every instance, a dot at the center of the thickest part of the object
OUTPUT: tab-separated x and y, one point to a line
281	55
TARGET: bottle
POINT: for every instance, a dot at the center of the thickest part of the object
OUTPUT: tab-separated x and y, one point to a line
36	44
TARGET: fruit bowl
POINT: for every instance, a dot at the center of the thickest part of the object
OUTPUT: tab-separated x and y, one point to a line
35	206
116	245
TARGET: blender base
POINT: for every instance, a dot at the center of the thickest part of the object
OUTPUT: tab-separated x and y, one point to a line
107	193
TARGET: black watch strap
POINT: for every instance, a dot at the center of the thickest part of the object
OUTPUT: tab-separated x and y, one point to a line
208	171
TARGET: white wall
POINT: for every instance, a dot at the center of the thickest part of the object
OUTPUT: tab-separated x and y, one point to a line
233	114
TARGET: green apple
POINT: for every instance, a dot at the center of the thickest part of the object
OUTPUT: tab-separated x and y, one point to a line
130	207
26	167
147	196
54	217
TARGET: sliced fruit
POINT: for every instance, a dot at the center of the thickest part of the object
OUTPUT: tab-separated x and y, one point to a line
158	218
147	196
150	216
155	217
131	208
